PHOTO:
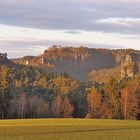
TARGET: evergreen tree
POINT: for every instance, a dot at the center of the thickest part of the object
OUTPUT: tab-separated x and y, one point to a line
4	92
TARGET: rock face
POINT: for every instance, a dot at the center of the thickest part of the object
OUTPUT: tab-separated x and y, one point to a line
82	62
130	65
76	62
127	69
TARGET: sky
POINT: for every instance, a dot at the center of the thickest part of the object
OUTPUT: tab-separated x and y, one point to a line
28	27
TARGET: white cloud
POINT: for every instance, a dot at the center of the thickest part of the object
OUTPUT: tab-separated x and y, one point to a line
120	21
34	41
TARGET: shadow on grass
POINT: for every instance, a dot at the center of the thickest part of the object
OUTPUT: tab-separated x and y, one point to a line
92	130
72	131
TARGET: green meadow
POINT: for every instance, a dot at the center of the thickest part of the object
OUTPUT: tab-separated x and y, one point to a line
69	129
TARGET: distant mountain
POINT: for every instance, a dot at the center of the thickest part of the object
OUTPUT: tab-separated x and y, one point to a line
86	63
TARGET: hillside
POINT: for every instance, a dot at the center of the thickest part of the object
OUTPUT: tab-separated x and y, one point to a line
79	63
104	75
33	90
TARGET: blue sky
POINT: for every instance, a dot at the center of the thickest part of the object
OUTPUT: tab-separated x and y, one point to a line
27	27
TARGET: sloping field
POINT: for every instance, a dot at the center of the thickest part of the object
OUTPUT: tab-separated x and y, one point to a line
69	129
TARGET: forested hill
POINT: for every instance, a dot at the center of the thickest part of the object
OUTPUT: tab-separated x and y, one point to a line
30	89
80	63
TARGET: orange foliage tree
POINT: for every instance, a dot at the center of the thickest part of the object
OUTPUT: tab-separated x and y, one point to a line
94	103
129	102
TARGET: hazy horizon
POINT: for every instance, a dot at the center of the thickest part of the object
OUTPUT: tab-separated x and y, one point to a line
58	45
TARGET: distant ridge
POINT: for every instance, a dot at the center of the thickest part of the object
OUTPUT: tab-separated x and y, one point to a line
80	63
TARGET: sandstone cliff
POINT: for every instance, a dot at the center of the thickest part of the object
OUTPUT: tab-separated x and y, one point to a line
86	63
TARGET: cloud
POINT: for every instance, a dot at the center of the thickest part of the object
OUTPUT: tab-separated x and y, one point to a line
70	14
20	41
73	32
36	24
120	21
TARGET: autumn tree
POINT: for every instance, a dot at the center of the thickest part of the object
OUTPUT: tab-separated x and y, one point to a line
22	106
63	85
79	102
129	102
4	92
124	102
32	106
94	103
67	108
112	96
42	108
56	106
105	111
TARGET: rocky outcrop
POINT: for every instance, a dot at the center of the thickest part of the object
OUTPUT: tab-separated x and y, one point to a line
130	66
127	69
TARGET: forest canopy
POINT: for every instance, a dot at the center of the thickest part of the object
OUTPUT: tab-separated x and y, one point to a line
32	93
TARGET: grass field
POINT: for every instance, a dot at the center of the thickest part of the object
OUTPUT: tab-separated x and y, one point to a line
69	129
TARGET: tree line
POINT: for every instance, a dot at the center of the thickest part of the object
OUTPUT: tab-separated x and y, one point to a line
29	92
